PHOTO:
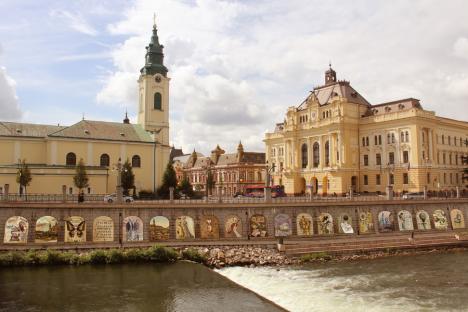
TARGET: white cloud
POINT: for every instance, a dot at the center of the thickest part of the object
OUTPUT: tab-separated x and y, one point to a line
237	66
75	21
9	106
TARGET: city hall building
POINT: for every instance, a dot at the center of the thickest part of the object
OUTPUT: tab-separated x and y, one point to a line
336	140
52	152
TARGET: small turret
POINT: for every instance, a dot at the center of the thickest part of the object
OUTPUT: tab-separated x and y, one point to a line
240	152
193	158
126	120
154	58
216	153
330	76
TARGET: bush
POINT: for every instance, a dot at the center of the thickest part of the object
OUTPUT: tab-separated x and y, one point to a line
135	255
193	254
98	257
115	256
162	254
316	256
34	257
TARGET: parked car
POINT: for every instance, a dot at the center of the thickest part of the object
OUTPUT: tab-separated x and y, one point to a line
413	196
113	197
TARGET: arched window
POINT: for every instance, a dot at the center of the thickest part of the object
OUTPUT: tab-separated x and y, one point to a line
136	161
304	155
157	101
105	160
71	159
316	152
402	137
327	154
406	136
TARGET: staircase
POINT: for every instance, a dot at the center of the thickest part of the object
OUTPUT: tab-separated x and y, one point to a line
374	243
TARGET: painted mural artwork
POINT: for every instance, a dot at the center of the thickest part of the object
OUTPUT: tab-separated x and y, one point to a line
346	224
283	225
209	227
366	223
132	229
46	230
458	221
16	230
185	227
233	227
159	228
258	227
75	230
325	224
385	221
440	220
405	221
423	220
103	229
304	224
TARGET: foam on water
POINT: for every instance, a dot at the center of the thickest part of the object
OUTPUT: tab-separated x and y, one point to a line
299	289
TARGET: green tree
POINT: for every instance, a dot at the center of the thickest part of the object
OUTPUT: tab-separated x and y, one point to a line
210	183
81	177
169	180
23	176
185	186
128	178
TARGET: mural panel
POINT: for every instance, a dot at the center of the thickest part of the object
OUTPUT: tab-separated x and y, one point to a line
185	227
325	224
209	227
304	224
458	221
283	225
346	224
159	229
366	222
385	221
258	226
75	230
405	221
103	229
440	220
46	230
423	220
16	230
233	227
132	229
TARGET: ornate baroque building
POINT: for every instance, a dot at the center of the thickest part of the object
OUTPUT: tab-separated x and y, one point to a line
336	140
231	172
53	151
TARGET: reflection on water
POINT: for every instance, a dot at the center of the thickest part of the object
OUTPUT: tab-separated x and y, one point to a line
433	282
148	287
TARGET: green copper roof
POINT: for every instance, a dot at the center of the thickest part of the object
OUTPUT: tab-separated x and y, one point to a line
154	59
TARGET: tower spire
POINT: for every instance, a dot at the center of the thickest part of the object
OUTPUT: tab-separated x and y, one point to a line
154	59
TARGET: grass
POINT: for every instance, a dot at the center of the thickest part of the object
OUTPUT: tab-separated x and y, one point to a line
160	254
316	256
194	255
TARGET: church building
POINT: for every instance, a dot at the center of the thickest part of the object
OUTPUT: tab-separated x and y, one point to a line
52	152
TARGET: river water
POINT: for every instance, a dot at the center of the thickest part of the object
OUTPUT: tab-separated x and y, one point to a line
431	282
139	287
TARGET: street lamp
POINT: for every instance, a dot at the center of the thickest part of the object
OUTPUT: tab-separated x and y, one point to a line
390	169
267	181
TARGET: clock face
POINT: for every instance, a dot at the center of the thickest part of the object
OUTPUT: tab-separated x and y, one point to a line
157	79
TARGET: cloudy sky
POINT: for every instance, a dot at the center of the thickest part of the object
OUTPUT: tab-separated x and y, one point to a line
235	65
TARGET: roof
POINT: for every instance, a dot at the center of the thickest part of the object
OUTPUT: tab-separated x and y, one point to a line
176	152
17	129
394	106
103	130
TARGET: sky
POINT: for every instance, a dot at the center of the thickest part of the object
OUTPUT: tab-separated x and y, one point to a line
235	66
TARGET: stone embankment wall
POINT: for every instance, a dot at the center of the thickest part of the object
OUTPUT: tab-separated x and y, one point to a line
29	224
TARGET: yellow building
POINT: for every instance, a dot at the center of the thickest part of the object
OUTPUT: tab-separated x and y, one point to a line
52	152
336	140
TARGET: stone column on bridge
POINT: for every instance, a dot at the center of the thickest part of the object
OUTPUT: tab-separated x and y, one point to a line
6	190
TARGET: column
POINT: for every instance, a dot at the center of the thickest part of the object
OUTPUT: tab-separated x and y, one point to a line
310	154
341	148
322	153
332	149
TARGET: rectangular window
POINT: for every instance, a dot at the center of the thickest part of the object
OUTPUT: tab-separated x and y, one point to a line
391	158
405	178
377	179
392	179
443	158
376	142
366	160
405	157
380	139
366	180
378	159
428	178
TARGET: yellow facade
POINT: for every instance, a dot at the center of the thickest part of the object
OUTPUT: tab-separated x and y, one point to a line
44	148
364	147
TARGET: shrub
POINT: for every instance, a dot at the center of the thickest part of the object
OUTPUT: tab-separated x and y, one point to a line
6	259
193	254
162	254
115	256
98	257
135	255
316	256
34	257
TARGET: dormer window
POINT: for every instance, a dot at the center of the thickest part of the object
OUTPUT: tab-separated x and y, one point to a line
122	134
19	131
86	131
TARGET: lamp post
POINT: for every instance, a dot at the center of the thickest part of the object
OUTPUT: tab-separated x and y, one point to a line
390	168
119	181
267	181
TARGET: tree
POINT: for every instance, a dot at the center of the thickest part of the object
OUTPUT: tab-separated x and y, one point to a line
210	183
128	178
169	180
185	186
81	177
23	176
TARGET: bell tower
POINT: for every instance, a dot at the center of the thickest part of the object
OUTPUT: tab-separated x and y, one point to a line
330	76
153	102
